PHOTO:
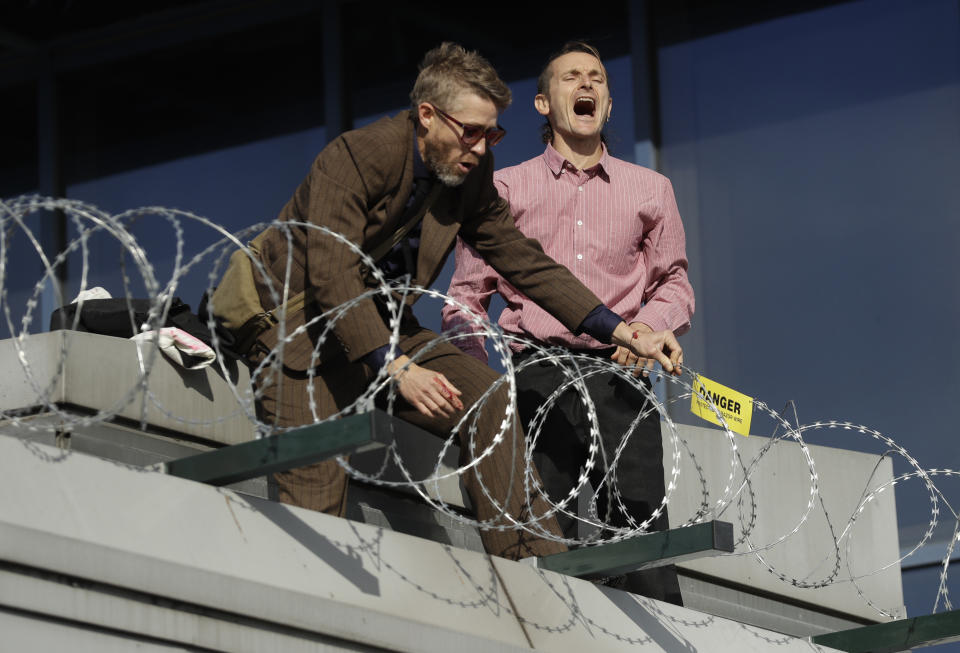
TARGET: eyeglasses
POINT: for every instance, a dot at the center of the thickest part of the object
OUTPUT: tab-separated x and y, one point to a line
473	133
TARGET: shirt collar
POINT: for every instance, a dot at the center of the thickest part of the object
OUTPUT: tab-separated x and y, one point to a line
556	163
420	170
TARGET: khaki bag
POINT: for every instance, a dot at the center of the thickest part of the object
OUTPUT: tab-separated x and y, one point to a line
236	300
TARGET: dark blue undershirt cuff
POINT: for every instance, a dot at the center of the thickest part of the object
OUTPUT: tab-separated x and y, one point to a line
377	358
600	324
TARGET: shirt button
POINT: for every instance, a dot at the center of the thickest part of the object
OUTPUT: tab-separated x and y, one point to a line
579	257
580	188
579	223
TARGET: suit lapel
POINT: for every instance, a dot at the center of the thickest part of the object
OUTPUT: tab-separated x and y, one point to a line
440	227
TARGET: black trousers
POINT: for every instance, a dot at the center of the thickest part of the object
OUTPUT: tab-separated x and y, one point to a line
562	448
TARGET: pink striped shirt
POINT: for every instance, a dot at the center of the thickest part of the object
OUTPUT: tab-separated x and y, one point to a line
616	226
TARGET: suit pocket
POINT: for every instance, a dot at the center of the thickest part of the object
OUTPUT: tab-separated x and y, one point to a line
298	350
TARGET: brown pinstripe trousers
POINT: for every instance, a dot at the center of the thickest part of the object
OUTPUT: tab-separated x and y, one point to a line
323	486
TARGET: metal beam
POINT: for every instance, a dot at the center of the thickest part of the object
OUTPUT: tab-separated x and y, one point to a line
646	88
289	450
643	552
336	104
900	635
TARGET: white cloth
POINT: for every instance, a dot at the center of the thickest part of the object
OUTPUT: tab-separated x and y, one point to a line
92	293
179	346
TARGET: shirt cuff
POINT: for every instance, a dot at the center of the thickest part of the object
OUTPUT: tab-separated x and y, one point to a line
600	324
377	358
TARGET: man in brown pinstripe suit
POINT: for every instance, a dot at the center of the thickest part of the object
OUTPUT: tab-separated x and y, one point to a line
365	185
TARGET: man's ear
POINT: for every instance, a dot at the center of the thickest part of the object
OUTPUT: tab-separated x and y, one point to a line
425	114
609	110
542	104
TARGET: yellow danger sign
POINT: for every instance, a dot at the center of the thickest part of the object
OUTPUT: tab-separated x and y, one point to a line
736	407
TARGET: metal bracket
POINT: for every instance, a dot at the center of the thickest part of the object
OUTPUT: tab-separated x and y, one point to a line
900	635
295	448
643	552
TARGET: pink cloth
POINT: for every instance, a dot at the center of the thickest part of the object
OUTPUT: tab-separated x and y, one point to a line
616	226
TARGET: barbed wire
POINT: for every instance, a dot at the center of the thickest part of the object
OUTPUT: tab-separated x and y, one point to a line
737	496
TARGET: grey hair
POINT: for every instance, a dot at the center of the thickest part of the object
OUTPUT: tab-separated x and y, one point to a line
448	70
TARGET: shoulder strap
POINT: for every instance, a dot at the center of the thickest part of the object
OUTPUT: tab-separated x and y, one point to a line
296	302
383	248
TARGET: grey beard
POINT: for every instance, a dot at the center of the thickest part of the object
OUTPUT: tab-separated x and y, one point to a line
447	173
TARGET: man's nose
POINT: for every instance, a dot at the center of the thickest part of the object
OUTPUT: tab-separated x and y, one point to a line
480	147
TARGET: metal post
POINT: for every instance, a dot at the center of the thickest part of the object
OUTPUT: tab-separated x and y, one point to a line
646	98
53	226
337	118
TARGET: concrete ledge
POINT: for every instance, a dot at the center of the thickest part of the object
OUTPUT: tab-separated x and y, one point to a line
116	553
738	587
101	373
777	497
185	411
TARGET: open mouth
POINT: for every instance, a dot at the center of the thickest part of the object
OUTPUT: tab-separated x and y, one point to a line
465	166
584	106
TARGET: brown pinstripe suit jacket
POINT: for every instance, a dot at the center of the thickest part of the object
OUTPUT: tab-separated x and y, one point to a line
358	186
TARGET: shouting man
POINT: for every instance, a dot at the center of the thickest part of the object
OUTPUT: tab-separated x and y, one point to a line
616	226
